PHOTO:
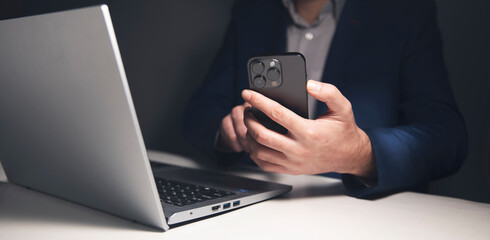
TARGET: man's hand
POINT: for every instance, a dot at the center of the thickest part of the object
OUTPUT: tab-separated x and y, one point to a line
232	131
331	143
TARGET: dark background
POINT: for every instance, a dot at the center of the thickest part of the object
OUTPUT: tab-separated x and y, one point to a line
167	47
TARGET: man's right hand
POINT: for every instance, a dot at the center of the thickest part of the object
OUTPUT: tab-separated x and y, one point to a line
232	133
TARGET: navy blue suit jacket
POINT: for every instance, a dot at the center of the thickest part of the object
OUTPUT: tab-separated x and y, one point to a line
385	57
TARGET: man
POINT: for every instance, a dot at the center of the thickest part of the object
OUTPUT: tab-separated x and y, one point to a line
391	121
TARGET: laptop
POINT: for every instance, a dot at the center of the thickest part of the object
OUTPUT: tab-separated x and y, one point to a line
68	127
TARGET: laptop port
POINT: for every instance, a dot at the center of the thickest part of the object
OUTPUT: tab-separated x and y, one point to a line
226	205
236	203
215	208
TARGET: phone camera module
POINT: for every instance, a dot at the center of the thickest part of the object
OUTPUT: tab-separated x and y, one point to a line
273	74
259	81
258	67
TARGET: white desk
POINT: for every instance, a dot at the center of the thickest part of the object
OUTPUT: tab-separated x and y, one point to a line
315	209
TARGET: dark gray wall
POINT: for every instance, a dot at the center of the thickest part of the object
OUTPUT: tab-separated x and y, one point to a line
167	47
465	27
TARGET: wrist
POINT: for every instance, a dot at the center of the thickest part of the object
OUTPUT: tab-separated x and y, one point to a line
365	165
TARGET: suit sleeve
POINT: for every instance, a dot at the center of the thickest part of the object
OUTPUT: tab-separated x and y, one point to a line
213	100
431	140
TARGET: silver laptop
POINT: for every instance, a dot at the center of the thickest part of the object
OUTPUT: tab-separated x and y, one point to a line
68	127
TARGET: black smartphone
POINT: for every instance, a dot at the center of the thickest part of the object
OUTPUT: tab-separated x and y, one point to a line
281	78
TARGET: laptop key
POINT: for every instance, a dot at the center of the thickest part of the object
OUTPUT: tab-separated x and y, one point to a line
181	194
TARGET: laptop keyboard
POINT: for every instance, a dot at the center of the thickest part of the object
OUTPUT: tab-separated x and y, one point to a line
181	194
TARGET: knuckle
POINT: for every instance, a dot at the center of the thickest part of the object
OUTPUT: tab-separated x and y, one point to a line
242	130
261	155
237	110
261	137
236	116
310	133
348	105
276	113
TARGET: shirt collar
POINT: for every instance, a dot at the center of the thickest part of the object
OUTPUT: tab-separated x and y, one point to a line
332	6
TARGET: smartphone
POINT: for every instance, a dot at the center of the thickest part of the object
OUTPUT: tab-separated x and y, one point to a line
281	78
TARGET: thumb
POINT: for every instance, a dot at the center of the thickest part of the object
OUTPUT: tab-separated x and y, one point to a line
330	95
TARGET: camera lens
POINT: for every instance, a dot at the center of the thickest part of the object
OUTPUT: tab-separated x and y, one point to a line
273	74
259	81
257	67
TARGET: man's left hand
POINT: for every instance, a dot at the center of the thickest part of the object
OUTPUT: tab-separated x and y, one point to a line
331	143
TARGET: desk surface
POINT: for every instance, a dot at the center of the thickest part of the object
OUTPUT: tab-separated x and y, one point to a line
315	209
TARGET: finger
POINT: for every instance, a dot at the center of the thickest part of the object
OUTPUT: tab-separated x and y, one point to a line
239	127
274	110
227	131
270	167
264	153
330	95
266	136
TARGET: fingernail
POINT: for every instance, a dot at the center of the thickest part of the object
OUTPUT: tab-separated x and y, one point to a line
313	86
246	95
